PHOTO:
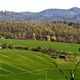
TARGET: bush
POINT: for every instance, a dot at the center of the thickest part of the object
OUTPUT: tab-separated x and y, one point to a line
21	47
10	46
4	46
36	49
51	50
45	50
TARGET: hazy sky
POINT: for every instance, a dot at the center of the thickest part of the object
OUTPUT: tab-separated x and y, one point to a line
36	5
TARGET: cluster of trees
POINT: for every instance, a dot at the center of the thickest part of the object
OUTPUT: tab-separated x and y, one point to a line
54	31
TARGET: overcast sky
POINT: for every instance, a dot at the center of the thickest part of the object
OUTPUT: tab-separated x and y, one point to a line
36	5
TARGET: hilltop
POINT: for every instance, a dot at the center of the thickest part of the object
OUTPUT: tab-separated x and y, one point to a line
48	15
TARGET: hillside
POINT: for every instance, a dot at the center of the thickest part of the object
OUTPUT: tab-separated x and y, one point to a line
54	31
33	65
48	15
28	65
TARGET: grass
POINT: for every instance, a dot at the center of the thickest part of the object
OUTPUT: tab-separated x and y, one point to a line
24	65
29	65
67	47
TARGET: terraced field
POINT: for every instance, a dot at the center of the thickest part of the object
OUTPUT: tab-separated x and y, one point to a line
29	65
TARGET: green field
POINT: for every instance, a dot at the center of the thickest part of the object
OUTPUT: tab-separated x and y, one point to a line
67	47
29	65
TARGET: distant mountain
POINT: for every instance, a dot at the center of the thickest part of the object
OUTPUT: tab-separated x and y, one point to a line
70	15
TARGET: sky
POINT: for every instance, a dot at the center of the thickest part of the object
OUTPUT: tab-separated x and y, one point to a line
36	5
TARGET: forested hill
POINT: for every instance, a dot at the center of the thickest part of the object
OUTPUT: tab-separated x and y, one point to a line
48	15
53	31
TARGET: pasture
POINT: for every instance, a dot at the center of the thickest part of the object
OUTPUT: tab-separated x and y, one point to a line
30	65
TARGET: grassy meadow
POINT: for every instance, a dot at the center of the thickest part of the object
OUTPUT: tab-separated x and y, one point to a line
31	65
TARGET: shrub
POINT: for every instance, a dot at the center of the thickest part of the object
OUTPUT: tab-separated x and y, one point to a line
10	46
37	49
53	38
48	38
51	50
22	47
4	45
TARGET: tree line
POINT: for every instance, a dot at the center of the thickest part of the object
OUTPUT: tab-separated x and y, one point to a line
53	31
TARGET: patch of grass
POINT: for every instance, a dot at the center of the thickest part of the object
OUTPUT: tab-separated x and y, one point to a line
30	65
67	47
